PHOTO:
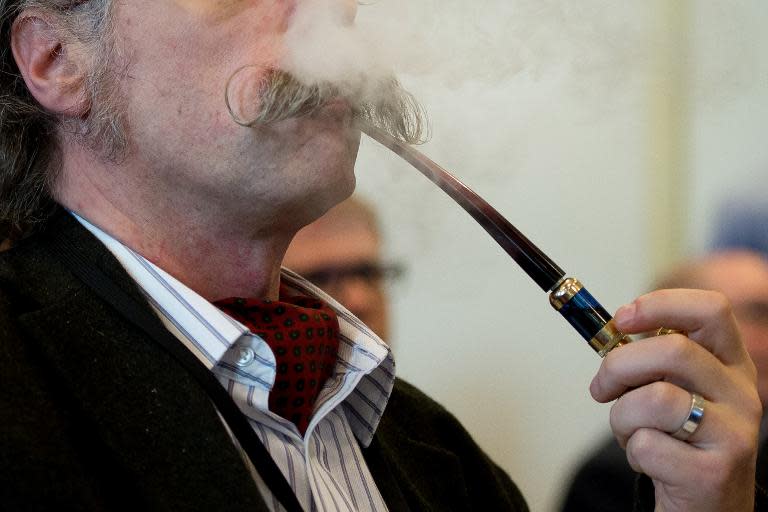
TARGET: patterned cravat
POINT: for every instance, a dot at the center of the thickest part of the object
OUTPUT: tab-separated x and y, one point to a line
303	334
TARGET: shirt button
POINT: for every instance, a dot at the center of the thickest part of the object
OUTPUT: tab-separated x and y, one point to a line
245	356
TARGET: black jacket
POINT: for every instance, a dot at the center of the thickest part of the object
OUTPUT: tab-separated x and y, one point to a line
94	415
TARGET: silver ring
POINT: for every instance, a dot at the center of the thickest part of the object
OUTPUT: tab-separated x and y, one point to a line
693	420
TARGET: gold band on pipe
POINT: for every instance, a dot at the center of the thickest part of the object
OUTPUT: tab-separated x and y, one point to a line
566	290
608	338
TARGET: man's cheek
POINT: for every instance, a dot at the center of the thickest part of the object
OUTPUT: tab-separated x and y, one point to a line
214	11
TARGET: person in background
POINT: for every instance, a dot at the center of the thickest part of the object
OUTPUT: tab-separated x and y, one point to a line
605	482
341	253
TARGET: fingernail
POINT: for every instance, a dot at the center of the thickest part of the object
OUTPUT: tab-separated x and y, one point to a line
593	387
625	315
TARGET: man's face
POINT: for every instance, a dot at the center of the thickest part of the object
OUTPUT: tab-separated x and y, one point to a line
180	57
743	279
343	256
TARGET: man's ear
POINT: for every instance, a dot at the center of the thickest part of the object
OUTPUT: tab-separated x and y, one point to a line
48	65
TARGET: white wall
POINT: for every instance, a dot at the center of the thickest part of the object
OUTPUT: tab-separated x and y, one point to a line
543	108
729	124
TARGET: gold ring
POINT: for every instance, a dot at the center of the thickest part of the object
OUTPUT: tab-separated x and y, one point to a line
664	331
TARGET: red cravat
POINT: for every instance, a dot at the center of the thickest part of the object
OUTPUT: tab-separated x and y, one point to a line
303	334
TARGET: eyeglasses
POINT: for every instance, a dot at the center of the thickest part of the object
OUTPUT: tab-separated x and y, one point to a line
370	273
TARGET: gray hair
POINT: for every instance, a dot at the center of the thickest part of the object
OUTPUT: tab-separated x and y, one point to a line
29	134
383	103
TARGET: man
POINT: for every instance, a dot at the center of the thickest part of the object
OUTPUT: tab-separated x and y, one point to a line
605	482
341	253
164	275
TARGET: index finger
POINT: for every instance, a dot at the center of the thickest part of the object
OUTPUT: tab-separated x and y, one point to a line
705	315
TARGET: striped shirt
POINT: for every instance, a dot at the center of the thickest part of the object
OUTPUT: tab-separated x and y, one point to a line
325	467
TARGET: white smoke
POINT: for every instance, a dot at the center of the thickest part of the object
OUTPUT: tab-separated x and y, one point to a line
324	46
456	41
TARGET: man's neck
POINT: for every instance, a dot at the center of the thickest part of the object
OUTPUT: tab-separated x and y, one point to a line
216	257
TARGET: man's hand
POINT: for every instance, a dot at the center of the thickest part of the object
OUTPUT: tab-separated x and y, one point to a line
652	381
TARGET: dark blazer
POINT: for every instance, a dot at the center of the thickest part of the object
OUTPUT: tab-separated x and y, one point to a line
94	415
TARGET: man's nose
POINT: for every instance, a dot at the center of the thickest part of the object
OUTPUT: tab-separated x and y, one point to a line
356	294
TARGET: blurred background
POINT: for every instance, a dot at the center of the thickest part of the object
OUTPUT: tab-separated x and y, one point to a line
614	135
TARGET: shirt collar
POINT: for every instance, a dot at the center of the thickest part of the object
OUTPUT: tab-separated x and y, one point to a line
366	360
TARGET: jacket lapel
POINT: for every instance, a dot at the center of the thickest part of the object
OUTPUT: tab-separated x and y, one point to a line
144	410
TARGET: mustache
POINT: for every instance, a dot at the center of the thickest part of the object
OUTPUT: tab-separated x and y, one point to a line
256	98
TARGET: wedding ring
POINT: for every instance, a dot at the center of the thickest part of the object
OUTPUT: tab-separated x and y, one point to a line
693	420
